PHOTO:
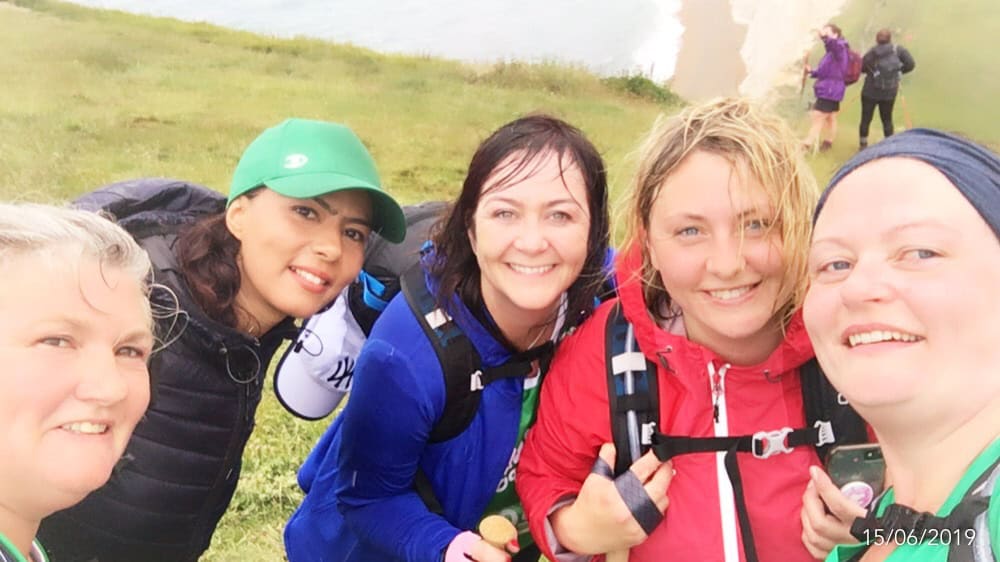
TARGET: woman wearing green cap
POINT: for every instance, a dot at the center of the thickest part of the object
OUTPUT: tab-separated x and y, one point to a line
304	198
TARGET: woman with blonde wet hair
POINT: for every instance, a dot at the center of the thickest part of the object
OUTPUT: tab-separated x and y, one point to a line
75	339
710	280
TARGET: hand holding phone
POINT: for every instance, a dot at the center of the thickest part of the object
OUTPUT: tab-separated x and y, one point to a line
858	470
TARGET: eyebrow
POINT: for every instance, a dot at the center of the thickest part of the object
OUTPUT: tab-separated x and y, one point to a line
926	223
75	324
895	231
140	335
349	220
518	203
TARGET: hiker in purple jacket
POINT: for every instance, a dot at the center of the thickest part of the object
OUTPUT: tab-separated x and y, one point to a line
829	87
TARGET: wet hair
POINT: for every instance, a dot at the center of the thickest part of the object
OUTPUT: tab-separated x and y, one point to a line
754	142
513	152
59	234
835	29
883	37
208	255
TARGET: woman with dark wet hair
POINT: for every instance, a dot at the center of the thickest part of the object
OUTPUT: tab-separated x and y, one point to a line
516	263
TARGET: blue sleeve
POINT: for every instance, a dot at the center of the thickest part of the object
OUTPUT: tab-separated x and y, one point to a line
386	425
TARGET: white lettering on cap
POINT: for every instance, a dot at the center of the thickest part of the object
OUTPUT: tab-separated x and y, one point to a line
293	161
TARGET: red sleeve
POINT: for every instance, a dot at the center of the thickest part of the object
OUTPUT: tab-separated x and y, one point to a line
573	422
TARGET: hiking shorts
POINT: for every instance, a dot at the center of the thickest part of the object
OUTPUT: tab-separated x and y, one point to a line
826	106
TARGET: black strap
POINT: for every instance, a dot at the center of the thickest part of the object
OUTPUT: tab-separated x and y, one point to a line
822	403
642	402
423	486
898	518
458	358
762	444
733	470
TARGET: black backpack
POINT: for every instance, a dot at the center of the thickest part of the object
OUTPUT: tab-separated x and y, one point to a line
635	418
386	262
886	73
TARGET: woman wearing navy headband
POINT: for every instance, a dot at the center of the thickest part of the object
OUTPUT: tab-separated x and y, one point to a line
903	312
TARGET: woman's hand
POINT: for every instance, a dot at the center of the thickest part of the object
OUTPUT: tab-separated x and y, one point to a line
599	520
468	544
827	515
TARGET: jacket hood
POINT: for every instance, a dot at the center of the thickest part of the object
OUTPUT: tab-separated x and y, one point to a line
152	203
153	211
794	350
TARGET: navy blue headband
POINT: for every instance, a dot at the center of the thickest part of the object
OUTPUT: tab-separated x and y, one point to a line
973	169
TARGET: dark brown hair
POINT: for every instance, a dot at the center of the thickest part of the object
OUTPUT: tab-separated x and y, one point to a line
835	29
207	254
883	36
531	139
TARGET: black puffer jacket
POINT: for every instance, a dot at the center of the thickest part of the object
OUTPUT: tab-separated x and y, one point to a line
184	459
884	89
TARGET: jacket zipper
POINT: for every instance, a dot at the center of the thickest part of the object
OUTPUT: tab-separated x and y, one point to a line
720	426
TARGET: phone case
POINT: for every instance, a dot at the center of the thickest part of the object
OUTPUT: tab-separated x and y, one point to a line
858	470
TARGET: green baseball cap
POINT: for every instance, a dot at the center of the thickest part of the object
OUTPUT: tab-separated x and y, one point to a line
303	158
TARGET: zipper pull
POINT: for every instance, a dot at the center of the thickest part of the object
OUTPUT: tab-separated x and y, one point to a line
716	393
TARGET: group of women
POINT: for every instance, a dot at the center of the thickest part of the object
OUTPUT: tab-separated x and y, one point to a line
733	269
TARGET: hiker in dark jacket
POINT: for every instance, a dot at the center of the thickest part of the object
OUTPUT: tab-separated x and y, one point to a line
303	201
883	65
829	88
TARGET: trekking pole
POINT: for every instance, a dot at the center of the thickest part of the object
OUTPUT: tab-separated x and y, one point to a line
805	74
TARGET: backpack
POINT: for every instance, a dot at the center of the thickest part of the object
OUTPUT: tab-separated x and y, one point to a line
852	71
634	402
886	74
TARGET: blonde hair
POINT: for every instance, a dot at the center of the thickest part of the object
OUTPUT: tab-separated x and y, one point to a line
753	140
49	232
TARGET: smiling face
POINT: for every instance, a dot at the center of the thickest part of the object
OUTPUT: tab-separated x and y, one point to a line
74	345
530	238
902	307
710	239
296	255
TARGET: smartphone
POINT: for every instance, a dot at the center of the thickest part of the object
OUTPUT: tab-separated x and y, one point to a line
858	470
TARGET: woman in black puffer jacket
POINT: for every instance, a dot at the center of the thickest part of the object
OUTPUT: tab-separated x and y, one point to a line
304	199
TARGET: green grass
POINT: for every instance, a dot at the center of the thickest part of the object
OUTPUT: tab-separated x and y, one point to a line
92	97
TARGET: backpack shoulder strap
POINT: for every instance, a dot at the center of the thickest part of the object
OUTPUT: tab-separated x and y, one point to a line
828	412
456	354
633	393
461	366
965	530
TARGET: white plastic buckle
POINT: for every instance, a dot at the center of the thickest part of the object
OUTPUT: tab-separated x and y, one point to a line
648	429
826	435
771	442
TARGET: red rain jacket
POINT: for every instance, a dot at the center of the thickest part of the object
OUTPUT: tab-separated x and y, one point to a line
700	524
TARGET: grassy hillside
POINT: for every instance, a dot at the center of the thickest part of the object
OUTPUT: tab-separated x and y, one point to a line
91	97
